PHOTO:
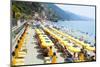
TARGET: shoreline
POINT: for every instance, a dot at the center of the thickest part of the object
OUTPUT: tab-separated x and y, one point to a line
75	33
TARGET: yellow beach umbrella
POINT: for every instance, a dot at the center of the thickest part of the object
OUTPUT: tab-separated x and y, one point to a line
73	49
90	48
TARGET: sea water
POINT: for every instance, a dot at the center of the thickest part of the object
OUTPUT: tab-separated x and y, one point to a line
81	27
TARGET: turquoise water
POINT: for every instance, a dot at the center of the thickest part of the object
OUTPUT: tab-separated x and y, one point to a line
80	27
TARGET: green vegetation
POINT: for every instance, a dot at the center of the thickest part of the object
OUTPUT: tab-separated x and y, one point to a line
26	10
18	15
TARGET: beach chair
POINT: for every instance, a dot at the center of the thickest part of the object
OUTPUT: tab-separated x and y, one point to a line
21	54
18	61
47	60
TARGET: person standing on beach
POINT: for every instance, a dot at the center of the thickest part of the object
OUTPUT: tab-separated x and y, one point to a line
54	58
38	23
50	52
81	55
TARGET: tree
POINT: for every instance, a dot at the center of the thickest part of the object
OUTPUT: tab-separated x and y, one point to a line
18	15
14	10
